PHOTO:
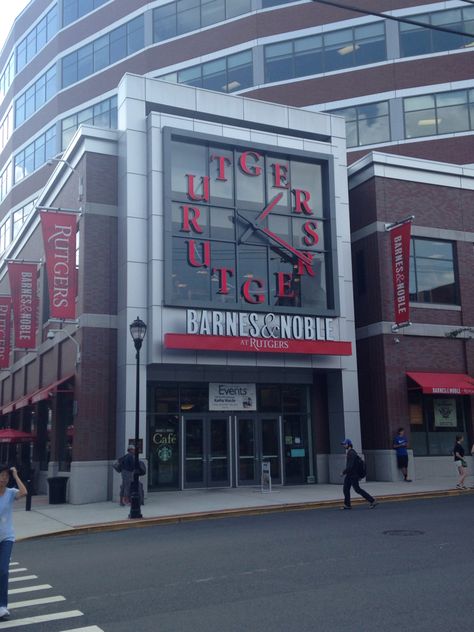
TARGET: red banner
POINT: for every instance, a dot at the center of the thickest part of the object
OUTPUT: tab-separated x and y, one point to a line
23	289
257	345
59	237
400	246
5	331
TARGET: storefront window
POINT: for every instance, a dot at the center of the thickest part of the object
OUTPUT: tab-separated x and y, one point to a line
163	471
269	399
434	422
295	448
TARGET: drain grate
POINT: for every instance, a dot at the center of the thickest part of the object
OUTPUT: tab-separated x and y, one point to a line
403	532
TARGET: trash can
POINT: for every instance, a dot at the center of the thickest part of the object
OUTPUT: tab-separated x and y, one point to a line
57	489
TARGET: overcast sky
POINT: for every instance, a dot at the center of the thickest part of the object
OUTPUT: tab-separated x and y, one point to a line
8	12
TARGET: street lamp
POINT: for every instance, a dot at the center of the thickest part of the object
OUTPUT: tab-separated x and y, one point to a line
137	331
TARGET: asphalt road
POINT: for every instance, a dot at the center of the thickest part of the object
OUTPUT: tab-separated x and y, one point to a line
401	566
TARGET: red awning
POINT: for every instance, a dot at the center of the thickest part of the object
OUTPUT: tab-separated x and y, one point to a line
444	383
8	409
22	402
47	391
10	435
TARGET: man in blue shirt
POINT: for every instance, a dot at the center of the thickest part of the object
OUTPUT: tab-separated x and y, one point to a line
400	445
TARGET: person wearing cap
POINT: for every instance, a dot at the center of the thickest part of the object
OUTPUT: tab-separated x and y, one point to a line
352	478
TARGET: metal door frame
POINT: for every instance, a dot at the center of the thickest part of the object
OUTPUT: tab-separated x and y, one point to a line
205	418
257	417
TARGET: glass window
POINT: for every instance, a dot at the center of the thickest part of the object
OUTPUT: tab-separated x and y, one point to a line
441	113
69	70
37	38
85	61
366	124
101	53
188	16
212	11
164	22
432	272
75	9
135	35
309	56
239	71
279	62
416	40
452	111
369	44
269	398
434	422
118	44
339	50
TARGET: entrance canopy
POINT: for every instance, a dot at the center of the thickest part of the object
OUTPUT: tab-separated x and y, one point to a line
444	383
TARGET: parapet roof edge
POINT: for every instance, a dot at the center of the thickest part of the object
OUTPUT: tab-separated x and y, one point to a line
388	165
230	109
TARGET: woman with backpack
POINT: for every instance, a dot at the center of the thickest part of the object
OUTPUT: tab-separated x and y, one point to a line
353	473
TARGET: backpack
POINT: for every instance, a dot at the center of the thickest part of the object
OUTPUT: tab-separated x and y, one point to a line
360	468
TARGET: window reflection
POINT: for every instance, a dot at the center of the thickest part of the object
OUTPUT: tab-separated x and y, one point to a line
432	272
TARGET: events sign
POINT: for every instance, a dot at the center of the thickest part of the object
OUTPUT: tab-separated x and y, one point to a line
229	396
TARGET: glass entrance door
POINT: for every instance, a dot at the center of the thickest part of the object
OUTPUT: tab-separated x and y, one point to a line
258	439
206	451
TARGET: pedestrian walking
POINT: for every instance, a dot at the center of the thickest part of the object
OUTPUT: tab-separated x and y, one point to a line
400	445
459	462
351	474
7	534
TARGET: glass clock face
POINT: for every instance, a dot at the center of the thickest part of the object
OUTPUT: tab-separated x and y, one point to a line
246	227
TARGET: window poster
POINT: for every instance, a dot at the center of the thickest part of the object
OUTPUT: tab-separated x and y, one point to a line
445	413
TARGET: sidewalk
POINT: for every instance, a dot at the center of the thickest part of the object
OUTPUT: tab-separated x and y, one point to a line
162	507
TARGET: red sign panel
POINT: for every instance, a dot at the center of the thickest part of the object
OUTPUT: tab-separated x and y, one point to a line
400	246
59	236
5	320
257	345
23	288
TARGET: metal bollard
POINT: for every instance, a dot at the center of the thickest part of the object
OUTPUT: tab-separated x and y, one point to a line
28	495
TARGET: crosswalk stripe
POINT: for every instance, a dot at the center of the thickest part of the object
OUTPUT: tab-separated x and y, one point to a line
17	591
22	579
17	570
44	618
36	602
14	563
88	628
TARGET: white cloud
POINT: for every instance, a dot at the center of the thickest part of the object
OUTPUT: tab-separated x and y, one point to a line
10	9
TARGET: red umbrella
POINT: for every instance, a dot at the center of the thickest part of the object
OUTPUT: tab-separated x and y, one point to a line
10	435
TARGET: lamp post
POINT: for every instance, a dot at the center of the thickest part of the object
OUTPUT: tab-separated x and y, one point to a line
137	331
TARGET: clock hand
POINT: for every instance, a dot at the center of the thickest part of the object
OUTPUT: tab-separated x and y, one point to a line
307	259
253	226
261	216
269	207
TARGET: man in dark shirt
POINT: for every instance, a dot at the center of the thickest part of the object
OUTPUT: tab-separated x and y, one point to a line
352	478
400	445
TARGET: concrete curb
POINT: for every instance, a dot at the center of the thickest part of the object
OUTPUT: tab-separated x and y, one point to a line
142	523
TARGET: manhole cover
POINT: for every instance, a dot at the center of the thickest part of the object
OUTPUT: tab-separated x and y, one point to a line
403	532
